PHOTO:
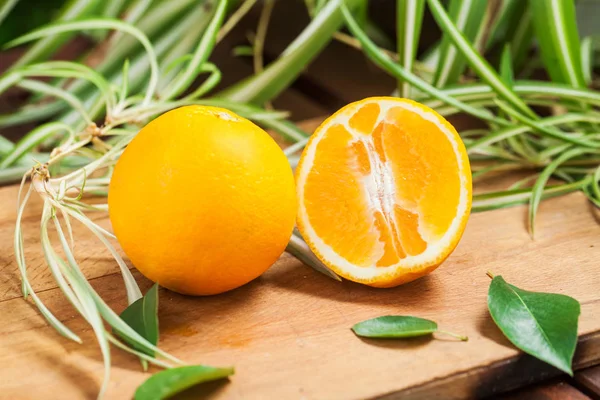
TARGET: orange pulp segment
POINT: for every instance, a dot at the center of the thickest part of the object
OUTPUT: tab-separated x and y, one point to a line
384	190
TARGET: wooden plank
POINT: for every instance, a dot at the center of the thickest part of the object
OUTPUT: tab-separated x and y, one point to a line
547	391
287	333
589	380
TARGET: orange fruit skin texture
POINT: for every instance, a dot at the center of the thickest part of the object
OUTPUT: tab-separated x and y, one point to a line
202	200
428	175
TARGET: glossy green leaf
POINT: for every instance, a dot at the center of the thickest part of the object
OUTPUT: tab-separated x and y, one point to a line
409	16
556	32
395	326
142	316
543	325
467	15
172	381
398	326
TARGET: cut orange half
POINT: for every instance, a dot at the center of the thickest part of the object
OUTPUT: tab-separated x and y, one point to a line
384	190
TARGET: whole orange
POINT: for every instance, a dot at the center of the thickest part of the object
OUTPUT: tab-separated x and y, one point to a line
202	200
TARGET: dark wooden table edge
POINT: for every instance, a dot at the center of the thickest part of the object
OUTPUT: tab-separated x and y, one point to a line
498	377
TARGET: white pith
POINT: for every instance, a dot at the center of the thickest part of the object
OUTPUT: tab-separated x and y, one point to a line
380	192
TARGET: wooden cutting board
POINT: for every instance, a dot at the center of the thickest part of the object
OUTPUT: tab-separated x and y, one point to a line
288	332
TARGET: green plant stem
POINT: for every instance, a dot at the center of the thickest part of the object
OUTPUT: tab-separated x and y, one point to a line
73	9
476	62
277	76
385	62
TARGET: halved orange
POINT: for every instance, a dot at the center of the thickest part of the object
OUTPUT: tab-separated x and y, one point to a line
384	191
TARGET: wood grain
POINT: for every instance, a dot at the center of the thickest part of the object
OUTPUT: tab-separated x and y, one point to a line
589	380
552	391
287	333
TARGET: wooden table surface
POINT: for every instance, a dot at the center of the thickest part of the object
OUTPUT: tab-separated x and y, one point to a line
288	332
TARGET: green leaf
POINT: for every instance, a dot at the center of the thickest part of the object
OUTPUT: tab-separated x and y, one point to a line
71	10
476	61
172	381
97	23
381	59
555	26
587	55
398	326
200	55
409	16
243	50
513	26
520	36
543	325
468	15
142	316
6	146
278	75
506	67
547	131
30	140
508	11
508	198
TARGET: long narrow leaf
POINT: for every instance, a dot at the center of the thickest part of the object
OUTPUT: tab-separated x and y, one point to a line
41	87
513	131
6	8
6	146
201	54
384	61
91	311
556	31
278	75
409	17
467	15
509	198
531	89
520	37
48	44
587	53
31	140
548	131
476	62
97	23
505	14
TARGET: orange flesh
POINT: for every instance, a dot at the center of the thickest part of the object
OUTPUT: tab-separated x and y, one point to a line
395	182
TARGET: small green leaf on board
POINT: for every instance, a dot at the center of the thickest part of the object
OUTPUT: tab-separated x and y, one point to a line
142	316
398	326
174	380
543	325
